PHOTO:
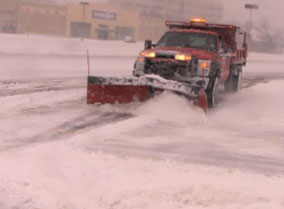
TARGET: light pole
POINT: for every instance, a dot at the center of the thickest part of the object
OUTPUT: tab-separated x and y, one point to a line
251	7
84	4
182	10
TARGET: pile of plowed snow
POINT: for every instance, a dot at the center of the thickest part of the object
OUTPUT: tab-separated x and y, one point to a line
258	104
166	107
171	107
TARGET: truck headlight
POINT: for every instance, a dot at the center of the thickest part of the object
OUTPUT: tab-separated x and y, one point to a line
183	57
148	54
203	67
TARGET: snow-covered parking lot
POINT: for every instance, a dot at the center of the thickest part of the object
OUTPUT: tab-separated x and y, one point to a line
57	152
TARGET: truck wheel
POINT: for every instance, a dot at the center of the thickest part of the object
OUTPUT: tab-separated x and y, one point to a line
235	81
213	93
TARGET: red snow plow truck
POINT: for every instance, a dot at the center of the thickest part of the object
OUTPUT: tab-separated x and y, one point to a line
191	59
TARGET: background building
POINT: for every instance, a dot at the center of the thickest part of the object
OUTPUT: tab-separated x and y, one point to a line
29	16
153	13
173	9
41	18
112	19
8	16
101	21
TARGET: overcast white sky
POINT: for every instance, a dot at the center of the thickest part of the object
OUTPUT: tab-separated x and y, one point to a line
270	9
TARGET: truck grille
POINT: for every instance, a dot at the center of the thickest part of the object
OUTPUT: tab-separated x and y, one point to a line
165	56
169	68
165	68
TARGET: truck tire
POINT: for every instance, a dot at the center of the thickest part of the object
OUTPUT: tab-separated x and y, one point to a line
213	92
234	82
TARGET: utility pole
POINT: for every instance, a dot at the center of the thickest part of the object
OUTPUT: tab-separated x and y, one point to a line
84	4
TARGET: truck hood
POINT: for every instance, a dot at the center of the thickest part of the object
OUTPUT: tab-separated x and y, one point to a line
199	53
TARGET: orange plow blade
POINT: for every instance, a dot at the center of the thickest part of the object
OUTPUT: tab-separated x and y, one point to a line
111	94
113	90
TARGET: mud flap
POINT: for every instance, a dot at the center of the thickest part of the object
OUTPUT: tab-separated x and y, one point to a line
202	101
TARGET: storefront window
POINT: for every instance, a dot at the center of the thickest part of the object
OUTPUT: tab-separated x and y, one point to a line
122	32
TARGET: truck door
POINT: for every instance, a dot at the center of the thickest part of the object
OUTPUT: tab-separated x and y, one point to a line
225	60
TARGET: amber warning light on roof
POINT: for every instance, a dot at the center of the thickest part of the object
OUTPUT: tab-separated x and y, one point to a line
197	20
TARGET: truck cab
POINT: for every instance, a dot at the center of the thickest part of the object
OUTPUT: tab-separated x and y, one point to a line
196	53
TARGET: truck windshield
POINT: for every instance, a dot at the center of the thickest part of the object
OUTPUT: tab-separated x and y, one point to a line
189	40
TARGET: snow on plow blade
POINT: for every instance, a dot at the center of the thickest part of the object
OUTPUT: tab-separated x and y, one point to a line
112	90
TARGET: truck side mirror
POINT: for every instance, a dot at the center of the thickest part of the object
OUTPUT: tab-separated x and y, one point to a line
148	44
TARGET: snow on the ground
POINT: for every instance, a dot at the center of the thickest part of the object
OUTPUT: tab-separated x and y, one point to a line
40	57
19	118
262	57
62	175
44	45
259	104
34	56
71	174
167	154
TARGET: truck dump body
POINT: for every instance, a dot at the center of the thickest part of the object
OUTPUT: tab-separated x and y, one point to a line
227	31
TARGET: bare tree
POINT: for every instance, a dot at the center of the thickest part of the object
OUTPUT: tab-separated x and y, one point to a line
265	39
